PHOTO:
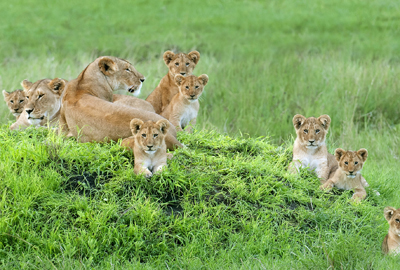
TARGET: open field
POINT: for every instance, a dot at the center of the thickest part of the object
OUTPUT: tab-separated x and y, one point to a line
266	62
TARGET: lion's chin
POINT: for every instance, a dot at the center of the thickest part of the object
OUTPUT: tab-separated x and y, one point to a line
351	175
135	90
150	152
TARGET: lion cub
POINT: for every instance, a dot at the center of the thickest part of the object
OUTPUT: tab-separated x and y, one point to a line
148	146
348	175
309	148
184	107
16	101
391	243
180	63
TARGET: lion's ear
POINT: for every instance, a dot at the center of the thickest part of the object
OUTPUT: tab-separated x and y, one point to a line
57	85
388	212
363	153
194	56
325	121
179	79
298	120
107	66
168	55
164	125
203	79
26	84
135	125
5	94
339	152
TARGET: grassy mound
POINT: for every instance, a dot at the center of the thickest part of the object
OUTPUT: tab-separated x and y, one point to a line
223	202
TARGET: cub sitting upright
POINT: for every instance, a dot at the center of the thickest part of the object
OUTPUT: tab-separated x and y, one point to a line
179	63
348	175
16	101
391	243
184	107
309	148
148	145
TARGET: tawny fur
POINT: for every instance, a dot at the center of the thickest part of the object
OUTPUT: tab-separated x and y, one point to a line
88	112
391	243
184	107
148	146
348	175
309	148
15	101
43	103
179	63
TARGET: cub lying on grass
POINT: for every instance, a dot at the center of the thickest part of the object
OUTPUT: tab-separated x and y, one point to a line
180	63
148	146
43	103
348	175
391	243
184	107
16	101
309	148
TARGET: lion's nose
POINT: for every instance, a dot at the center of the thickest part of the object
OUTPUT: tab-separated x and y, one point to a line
311	141
351	172
16	110
183	74
149	146
192	96
142	80
29	111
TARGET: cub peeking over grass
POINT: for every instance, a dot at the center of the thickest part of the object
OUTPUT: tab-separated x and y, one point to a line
16	101
183	109
348	175
309	148
148	146
391	243
177	63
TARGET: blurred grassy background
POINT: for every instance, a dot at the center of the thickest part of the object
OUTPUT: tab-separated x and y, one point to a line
267	60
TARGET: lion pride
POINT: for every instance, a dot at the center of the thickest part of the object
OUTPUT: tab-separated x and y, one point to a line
88	112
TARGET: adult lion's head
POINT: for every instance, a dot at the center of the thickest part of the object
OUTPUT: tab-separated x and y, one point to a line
120	74
44	99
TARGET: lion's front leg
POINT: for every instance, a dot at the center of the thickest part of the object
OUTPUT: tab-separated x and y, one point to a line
322	171
328	185
359	194
294	167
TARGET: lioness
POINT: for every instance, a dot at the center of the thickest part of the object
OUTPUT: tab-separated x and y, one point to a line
179	63
309	148
88	112
148	145
391	243
348	175
15	101
184	106
43	103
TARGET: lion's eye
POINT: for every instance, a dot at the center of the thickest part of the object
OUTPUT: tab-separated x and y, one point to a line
397	220
187	87
144	135
317	131
177	64
306	131
356	162
21	101
12	102
27	97
187	64
196	87
346	163
128	70
155	135
40	96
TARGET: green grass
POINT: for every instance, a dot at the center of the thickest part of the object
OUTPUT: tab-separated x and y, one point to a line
222	202
267	61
